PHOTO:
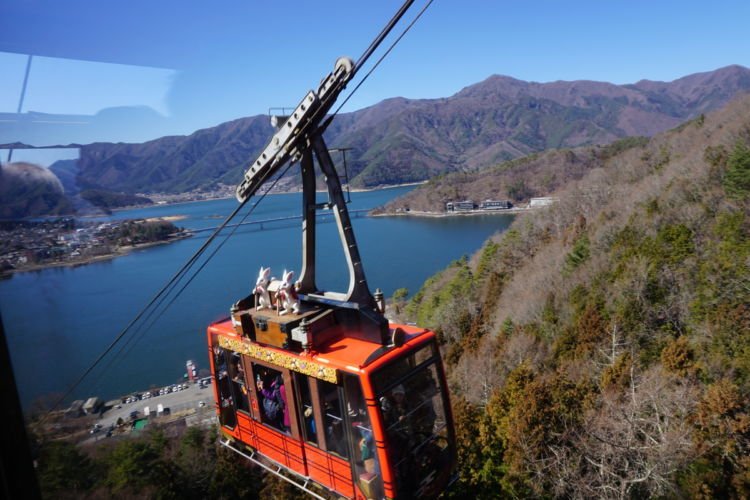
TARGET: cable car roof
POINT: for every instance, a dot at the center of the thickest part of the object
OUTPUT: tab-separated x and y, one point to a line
342	353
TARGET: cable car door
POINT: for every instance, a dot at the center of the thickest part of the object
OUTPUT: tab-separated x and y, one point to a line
324	436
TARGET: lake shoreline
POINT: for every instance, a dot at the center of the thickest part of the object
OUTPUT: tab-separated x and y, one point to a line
93	259
214	198
467	213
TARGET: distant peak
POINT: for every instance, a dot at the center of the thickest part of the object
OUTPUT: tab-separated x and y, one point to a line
723	72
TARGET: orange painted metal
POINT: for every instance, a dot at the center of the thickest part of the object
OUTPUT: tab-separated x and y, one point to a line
344	354
276	445
330	471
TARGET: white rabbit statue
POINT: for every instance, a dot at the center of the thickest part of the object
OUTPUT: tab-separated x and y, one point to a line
287	295
262	297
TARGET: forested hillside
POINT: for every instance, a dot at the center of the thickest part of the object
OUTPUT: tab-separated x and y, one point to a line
601	348
515	180
157	464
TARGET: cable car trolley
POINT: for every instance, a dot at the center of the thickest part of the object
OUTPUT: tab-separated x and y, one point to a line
316	386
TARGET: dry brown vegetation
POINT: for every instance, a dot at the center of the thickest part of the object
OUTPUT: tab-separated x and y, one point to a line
514	180
602	345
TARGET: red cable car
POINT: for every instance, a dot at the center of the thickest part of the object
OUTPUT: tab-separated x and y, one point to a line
317	386
358	418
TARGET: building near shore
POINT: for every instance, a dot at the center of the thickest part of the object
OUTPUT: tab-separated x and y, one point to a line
495	205
541	202
460	206
92	405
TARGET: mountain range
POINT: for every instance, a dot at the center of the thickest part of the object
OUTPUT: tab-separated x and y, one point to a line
404	140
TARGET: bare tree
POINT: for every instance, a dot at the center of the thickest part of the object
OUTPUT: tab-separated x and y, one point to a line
632	443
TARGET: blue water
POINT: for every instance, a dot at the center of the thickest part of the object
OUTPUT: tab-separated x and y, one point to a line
59	320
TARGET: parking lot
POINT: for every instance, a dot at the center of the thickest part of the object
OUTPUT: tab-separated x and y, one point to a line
179	398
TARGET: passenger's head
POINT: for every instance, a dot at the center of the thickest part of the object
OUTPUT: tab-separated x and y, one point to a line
399	392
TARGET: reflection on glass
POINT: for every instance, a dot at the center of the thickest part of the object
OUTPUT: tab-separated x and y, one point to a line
237	376
309	427
47	101
366	463
413	411
336	438
227	415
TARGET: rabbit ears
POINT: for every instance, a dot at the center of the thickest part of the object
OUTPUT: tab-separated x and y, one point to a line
288	275
265	272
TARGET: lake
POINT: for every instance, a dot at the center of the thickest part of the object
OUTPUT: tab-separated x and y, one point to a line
59	320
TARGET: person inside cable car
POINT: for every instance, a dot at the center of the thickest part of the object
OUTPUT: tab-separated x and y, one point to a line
310	423
227	415
396	412
271	387
285	408
334	428
236	372
423	414
367	452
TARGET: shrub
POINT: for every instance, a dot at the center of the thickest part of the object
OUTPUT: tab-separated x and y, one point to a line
737	177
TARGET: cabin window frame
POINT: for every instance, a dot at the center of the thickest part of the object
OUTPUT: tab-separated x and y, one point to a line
291	392
316	398
352	385
236	383
321	418
312	390
224	387
380	390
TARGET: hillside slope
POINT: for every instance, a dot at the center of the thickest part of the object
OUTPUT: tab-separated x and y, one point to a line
515	180
601	347
402	140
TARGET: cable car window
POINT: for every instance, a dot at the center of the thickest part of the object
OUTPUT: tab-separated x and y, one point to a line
366	464
227	415
417	433
333	419
272	397
309	428
236	373
398	369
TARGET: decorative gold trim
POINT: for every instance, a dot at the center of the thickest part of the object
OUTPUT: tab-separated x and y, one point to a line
284	360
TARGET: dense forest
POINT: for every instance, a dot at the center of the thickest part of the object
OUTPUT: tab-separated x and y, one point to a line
158	464
601	347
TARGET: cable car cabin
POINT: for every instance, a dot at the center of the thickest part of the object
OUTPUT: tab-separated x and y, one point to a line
360	419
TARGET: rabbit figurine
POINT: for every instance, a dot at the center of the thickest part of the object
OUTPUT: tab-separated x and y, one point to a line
262	297
287	300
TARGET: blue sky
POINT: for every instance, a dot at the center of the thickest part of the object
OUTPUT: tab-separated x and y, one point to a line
197	64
